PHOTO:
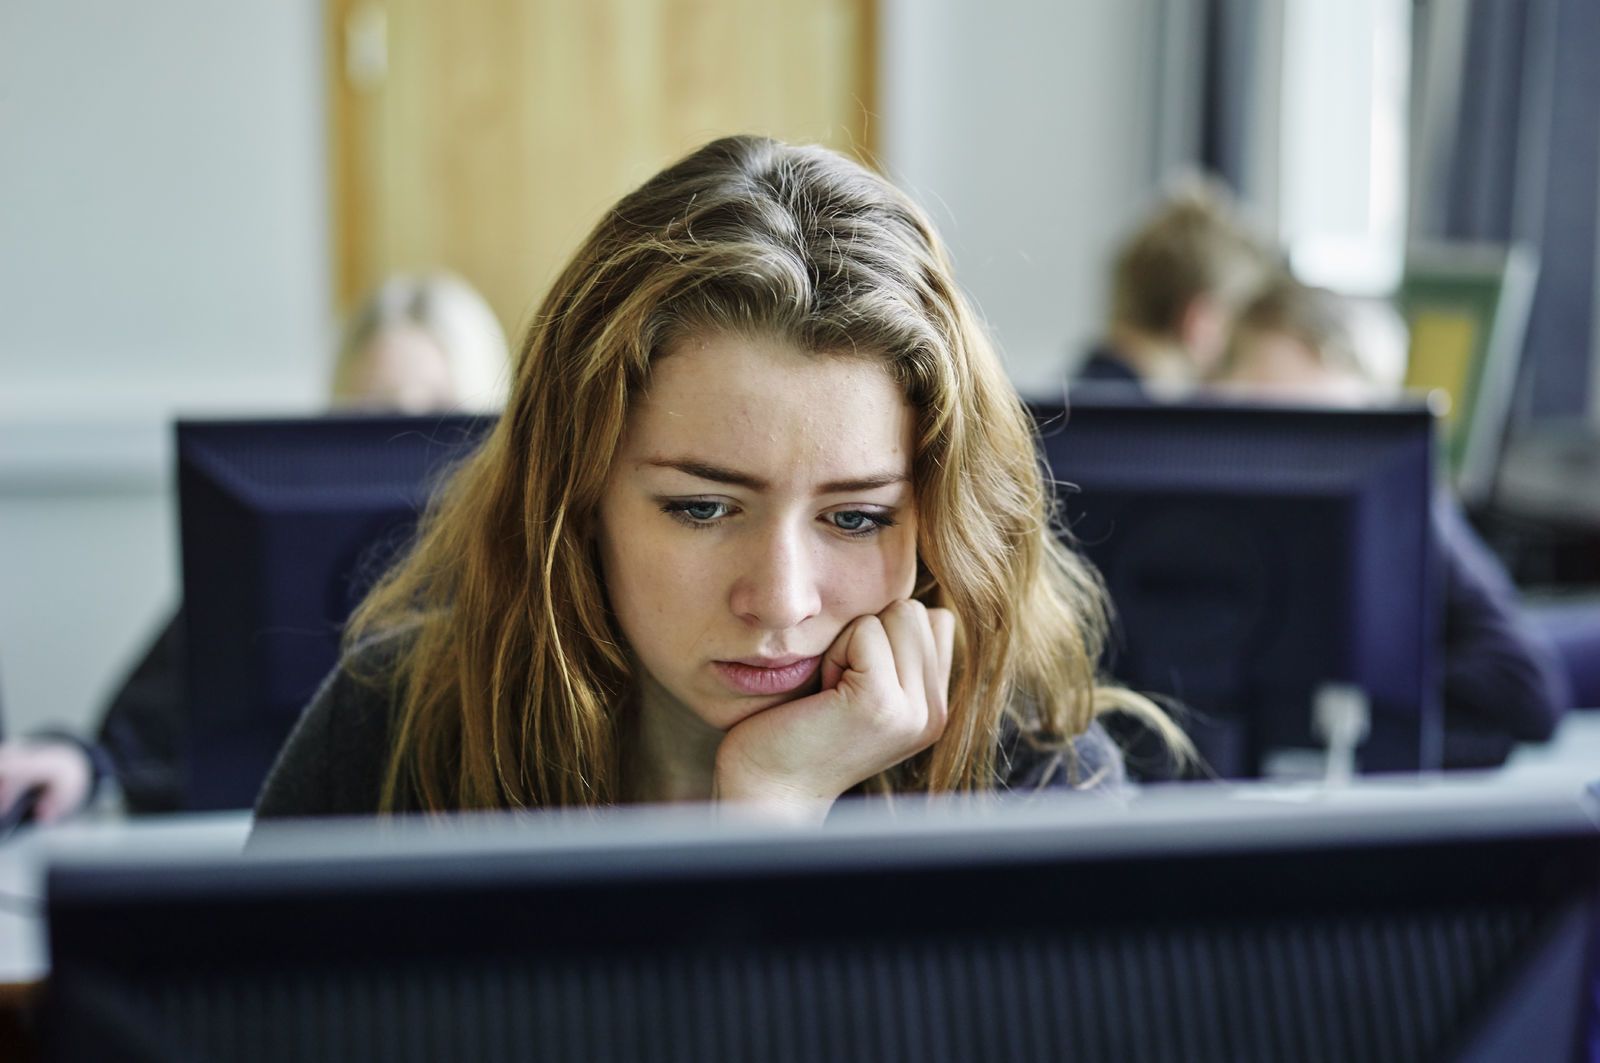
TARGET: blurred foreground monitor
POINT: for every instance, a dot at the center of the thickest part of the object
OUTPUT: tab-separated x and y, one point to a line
1399	922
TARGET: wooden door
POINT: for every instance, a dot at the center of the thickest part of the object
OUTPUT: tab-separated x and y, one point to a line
486	136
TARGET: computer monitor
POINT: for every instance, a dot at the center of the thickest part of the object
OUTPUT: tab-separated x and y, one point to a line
1467	308
1453	923
285	525
1259	557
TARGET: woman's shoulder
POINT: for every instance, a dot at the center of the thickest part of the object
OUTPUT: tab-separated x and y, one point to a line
1091	761
334	760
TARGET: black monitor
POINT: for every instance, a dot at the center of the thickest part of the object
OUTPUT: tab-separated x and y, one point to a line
285	525
1256	557
1455	923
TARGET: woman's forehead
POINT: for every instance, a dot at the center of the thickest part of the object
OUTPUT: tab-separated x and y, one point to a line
772	409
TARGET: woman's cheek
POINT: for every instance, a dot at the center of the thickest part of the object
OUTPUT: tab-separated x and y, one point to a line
908	570
890	576
666	572
905	559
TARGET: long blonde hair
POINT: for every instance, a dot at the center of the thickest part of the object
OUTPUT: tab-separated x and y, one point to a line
513	676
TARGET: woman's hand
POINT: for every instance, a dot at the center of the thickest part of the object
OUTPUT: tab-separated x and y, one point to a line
60	767
885	687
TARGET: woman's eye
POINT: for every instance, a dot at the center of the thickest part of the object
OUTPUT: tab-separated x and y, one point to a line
858	523
696	513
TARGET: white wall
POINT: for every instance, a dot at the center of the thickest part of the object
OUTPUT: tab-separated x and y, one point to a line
1029	131
163	248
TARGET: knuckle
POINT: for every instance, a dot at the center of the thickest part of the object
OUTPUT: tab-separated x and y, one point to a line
901	607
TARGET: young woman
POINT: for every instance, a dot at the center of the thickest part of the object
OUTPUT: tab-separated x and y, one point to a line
762	522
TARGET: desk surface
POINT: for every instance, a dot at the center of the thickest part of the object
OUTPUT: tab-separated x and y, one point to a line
1575	747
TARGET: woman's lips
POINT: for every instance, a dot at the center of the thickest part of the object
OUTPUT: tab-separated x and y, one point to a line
745	678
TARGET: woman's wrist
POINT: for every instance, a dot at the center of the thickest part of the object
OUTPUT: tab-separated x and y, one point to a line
767	798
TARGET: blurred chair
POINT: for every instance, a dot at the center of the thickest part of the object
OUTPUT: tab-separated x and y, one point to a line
1573	625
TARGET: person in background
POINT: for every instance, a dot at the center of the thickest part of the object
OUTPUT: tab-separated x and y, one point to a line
422	344
1176	284
418	344
1502	681
763	523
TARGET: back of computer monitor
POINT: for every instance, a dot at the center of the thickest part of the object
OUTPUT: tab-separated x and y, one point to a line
1073	930
285	525
1258	558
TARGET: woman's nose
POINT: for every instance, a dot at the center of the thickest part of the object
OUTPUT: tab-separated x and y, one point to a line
776	588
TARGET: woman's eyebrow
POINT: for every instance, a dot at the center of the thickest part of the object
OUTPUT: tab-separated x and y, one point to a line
866	483
717	474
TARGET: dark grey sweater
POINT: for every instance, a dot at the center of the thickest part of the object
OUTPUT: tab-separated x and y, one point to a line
334	761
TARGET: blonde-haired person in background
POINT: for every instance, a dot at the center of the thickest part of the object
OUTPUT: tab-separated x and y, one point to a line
1176	283
418	344
1502	682
1297	343
762	522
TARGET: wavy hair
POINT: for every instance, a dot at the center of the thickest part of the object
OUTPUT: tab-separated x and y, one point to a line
513	678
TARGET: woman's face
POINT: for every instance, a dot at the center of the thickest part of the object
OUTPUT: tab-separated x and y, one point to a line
1270	364
402	368
760	501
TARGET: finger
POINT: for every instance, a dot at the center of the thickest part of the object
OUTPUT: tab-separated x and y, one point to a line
52	805
17	788
943	624
836	658
933	688
926	690
911	640
933	684
846	654
866	660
